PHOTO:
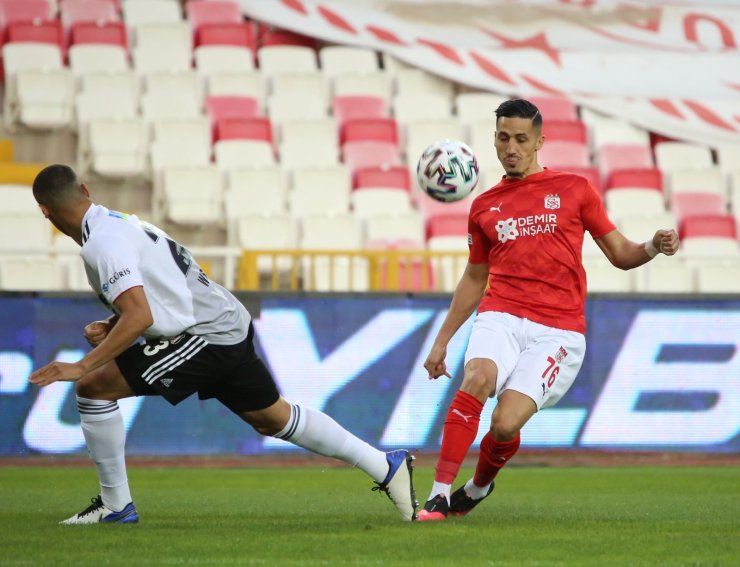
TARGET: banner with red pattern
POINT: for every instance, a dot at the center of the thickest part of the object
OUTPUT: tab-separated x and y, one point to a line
672	67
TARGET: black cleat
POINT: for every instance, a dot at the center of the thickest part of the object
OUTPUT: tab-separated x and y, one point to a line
461	504
435	509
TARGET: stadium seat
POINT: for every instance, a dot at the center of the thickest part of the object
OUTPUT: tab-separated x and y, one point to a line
642	227
151	12
481	140
491	176
267	232
374	129
665	275
163	105
37	31
180	143
31	273
91	58
182	84
200	13
553	108
231	154
193	195
307	200
17	200
320	132
25	11
45	98
314	178
710	180
376	84
152	59
719	277
670	156
565	130
222	107
728	157
411	108
118	148
592	174
301	152
628	201
695	226
646	178
311	85
111	90
73	12
244	129
238	34
255	190
36	231
282	107
611	157
379	201
270	36
250	83
451	224
211	59
477	106
420	134
346	108
389	177
339	59
448	270
360	155
602	277
432	208
169	36
278	59
564	155
690	204
417	82
110	33
606	130
403	226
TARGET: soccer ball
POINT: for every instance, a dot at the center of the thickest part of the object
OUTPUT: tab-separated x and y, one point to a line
447	170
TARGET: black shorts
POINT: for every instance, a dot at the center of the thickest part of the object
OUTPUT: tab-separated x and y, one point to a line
184	365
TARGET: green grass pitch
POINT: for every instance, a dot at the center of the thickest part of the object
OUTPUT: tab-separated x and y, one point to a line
538	516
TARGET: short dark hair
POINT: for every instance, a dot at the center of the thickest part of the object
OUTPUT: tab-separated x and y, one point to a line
55	185
520	108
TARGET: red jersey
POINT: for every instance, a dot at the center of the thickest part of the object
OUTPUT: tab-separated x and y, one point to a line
530	231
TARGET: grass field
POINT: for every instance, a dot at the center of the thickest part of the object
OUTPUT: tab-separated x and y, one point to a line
538	516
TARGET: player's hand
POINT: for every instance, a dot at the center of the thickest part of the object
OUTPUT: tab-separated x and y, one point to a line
435	363
57	372
96	331
666	241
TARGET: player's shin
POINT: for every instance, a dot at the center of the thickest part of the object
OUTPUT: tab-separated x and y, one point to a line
105	436
493	456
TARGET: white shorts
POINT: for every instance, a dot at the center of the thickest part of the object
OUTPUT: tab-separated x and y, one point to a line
538	361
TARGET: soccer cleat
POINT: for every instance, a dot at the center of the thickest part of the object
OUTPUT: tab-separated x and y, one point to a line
461	503
399	484
97	513
435	509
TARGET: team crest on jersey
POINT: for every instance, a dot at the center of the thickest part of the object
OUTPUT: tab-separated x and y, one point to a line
552	202
507	230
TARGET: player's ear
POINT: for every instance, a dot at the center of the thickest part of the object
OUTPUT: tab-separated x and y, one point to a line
85	190
44	210
539	143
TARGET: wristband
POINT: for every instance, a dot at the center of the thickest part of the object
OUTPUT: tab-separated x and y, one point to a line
650	249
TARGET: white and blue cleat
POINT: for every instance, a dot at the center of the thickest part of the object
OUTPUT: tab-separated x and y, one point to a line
399	484
99	513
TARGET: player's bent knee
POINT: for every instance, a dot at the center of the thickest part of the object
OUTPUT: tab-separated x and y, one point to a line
480	378
504	428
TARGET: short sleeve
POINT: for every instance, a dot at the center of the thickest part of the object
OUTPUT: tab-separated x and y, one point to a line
595	218
478	243
117	267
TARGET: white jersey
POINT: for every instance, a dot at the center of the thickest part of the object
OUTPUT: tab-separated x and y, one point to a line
121	252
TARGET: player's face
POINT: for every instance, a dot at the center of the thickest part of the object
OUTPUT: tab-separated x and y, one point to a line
517	142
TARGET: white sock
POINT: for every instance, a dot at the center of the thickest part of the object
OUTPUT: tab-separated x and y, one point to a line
476	492
102	425
440	488
317	432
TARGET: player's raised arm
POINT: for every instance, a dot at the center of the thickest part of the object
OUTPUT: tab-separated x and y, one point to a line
466	298
626	254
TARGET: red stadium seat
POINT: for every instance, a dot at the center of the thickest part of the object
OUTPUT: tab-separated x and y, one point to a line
554	108
378	129
244	129
648	177
709	225
361	155
13	11
37	31
564	155
565	130
200	13
623	156
353	107
108	33
267	36
684	205
447	225
222	107
392	177
238	34
431	208
73	12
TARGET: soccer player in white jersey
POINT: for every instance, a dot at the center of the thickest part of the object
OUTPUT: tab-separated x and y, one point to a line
174	333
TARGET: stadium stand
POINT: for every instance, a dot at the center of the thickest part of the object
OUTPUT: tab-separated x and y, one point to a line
279	142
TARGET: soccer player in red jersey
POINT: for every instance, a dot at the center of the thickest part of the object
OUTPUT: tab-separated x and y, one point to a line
526	277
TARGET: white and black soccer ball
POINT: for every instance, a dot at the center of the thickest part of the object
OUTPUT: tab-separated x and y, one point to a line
447	170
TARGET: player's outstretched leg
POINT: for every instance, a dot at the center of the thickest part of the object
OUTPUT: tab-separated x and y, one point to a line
461	503
398	484
97	513
319	433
